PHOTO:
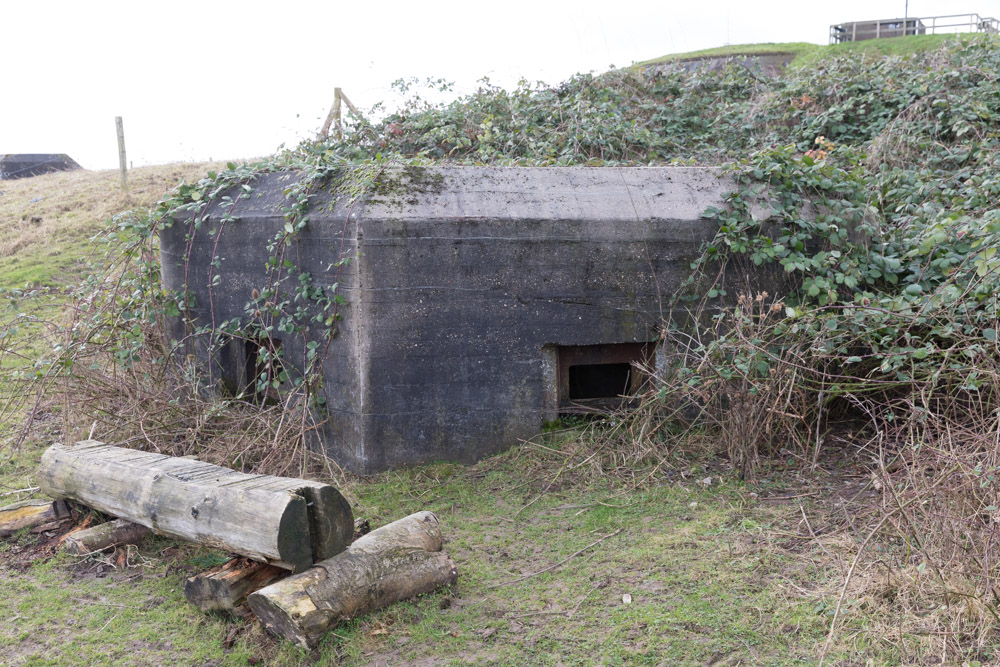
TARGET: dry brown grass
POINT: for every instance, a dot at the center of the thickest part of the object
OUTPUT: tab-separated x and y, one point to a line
45	221
69	346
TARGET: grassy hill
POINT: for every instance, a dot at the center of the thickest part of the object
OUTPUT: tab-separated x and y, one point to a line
806	52
46	221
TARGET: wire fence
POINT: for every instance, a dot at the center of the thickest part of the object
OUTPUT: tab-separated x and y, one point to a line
857	31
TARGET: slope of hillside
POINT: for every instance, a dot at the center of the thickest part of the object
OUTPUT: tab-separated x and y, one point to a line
46	221
805	52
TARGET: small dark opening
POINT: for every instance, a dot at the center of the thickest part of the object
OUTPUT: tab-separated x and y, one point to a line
599	381
597	377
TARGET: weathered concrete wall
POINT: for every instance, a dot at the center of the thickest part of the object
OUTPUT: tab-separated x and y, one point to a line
23	165
466	283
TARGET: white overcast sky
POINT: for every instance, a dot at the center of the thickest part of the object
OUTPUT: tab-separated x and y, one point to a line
223	79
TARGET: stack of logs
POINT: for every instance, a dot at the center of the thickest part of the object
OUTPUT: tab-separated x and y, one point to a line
296	566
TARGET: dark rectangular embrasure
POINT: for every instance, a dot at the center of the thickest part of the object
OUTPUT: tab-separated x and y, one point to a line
590	373
599	380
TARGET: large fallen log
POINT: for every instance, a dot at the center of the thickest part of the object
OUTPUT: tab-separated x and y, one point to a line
225	586
393	563
31	513
287	522
104	536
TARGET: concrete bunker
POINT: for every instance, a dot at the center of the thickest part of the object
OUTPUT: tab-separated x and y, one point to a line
23	165
481	302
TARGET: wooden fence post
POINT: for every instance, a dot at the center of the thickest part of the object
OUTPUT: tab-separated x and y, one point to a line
333	117
122	164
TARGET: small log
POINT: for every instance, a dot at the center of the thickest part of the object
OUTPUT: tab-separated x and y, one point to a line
393	563
286	522
104	536
31	513
421	530
226	586
46	527
344	587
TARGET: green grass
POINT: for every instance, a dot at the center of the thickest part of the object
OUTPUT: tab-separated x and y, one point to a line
806	53
706	568
60	613
43	268
715	574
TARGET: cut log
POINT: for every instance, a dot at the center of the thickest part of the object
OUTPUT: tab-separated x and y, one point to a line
421	530
226	586
393	563
104	536
31	513
50	526
303	607
286	522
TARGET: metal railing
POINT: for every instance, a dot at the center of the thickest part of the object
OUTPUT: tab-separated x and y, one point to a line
857	31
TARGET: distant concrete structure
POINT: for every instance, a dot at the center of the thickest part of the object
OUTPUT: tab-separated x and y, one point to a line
481	302
858	31
23	165
864	30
